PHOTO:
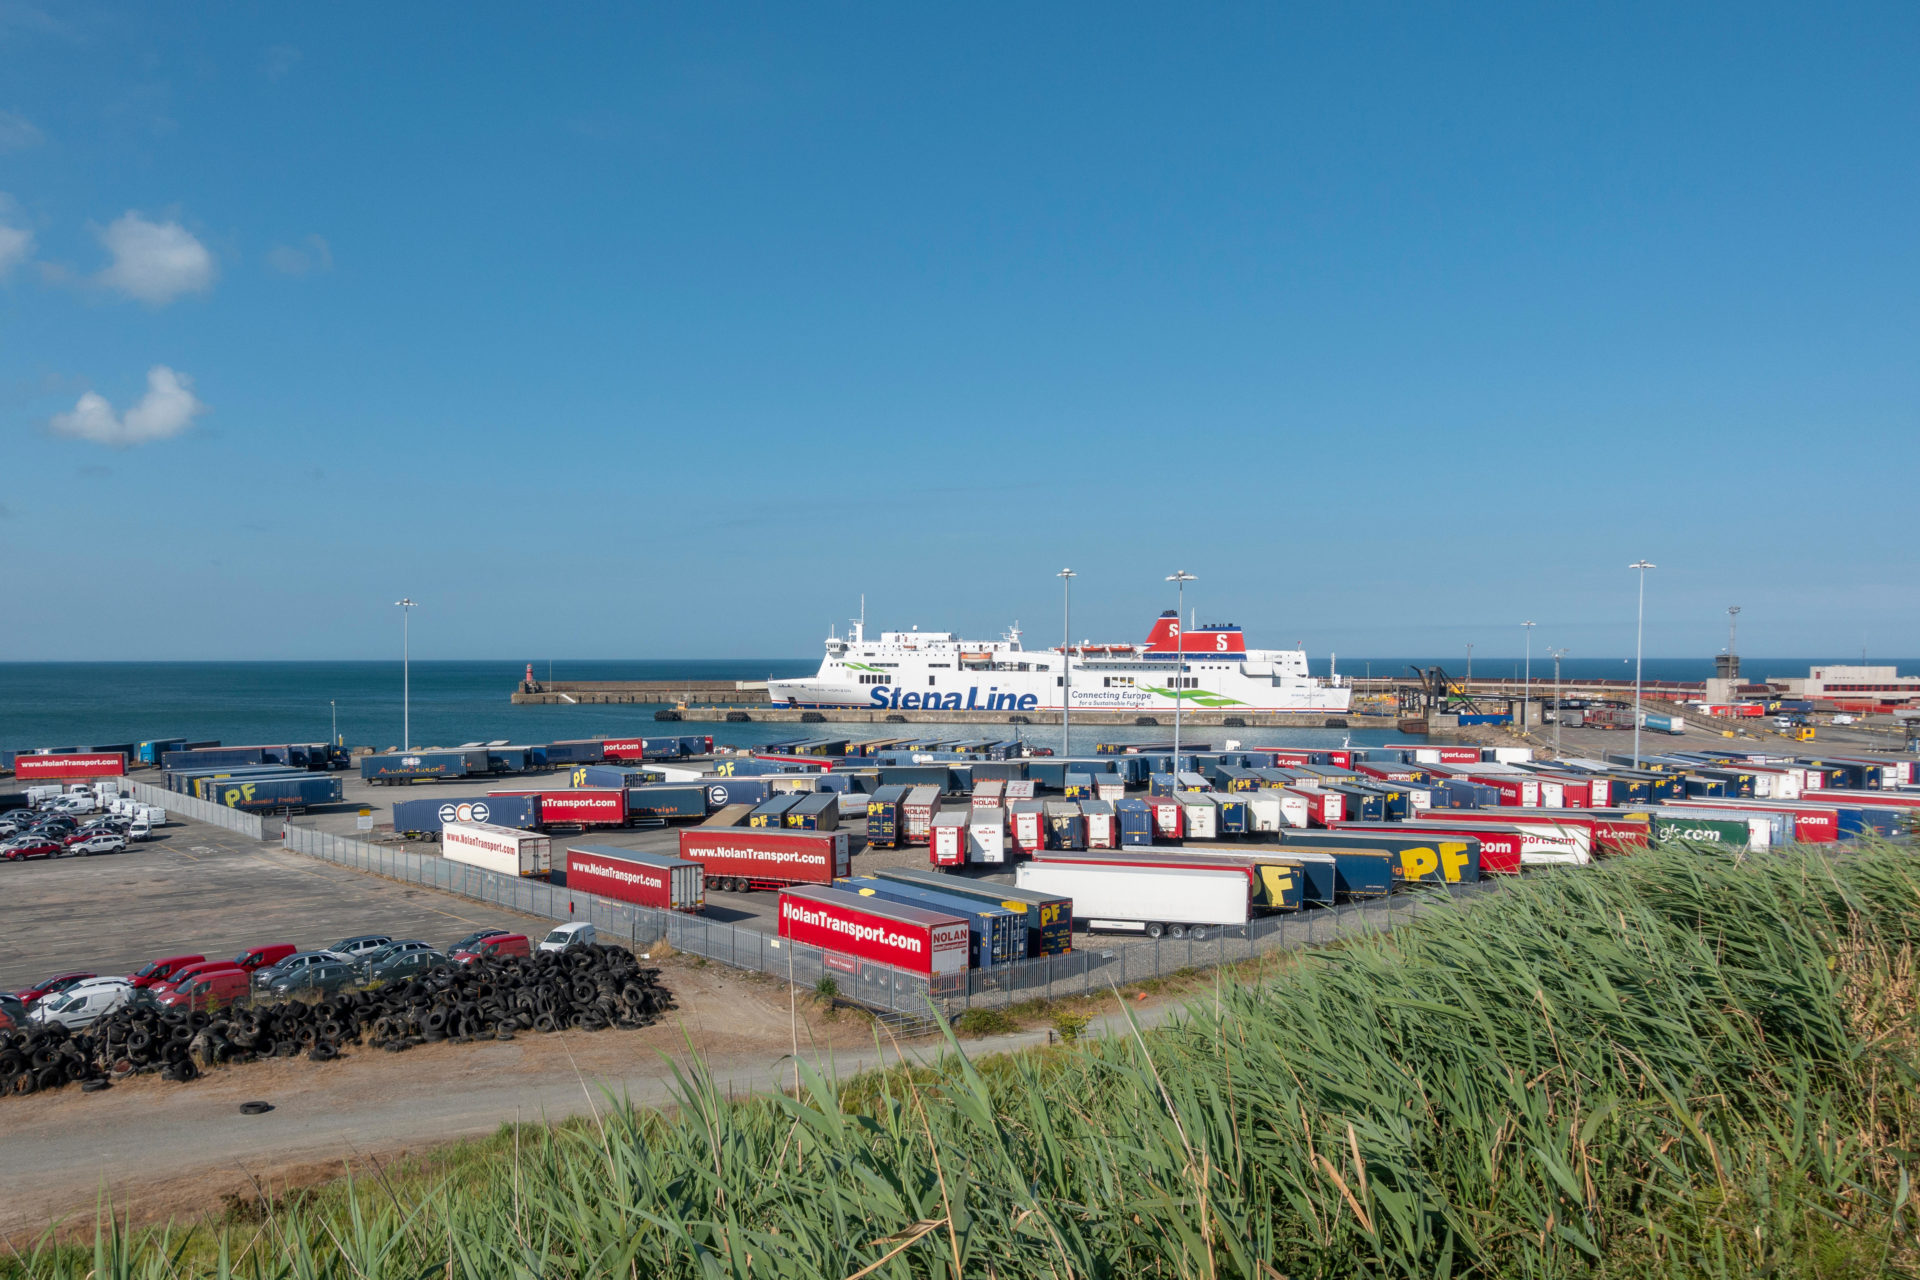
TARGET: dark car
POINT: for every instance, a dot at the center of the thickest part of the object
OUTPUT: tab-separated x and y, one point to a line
294	964
401	960
13	1014
52	986
31	847
473	940
328	975
363	945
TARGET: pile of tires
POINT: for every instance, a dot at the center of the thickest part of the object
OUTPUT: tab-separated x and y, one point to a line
591	989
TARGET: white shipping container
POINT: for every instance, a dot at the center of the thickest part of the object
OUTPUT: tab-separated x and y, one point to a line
1263	811
948	839
506	850
1150	900
1202	815
1109	787
987	835
1509	755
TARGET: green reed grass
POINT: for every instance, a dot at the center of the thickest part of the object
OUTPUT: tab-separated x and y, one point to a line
1689	1062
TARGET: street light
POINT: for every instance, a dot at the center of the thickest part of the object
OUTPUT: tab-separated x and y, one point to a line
1639	630
1558	709
1066	577
405	605
1526	686
1469	683
1181	578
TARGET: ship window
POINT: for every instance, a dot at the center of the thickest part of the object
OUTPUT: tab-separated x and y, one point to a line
929	679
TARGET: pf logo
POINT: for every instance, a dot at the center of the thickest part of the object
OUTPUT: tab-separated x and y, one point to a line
464	812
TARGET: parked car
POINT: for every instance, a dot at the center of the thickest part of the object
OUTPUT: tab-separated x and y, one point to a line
13	1014
401	960
191	971
472	940
85	1003
293	965
152	975
569	937
211	989
264	957
52	986
327	975
23	847
92	842
498	947
365	944
141	829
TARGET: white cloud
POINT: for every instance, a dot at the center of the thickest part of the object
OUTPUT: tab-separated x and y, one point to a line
154	261
289	261
17	133
167	409
16	243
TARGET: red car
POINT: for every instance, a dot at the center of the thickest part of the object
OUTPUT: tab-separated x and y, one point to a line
498	947
191	971
51	986
262	957
209	988
160	970
40	848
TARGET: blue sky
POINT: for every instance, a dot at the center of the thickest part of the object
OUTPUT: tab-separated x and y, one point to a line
669	331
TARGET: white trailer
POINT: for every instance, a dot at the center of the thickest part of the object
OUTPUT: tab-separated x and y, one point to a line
507	850
1176	901
987	834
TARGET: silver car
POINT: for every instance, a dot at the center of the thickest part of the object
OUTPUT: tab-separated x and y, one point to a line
104	842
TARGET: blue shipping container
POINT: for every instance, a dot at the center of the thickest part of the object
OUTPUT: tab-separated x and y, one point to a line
522	812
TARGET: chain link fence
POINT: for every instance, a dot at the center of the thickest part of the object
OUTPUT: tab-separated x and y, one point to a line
218	815
878	986
1101	962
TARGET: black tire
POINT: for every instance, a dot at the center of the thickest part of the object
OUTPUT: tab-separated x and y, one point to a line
1198	933
95	1086
1177	931
255	1108
1155	929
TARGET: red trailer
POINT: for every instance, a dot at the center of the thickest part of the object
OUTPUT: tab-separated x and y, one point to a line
644	879
71	765
916	814
870	928
1169	817
1324	808
947	845
619	749
745	858
1812	823
1027	826
578	806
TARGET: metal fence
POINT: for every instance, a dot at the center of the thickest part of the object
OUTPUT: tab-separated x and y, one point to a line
247	824
878	986
1105	962
1101	963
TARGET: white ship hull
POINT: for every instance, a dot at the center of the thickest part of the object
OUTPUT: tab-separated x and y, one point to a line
932	671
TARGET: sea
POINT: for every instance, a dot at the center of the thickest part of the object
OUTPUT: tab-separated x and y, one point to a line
56	704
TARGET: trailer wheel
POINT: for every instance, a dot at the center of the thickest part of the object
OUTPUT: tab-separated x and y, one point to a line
1177	931
1198	932
1155	929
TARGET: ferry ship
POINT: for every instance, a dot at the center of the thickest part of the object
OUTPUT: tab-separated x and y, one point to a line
1208	667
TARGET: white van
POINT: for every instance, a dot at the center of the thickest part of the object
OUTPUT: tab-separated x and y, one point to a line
140	829
84	1003
569	936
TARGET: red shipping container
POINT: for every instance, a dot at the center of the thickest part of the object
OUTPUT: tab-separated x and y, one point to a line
75	765
1027	826
617	749
906	937
1811	824
644	879
947	843
1324	808
741	858
581	806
